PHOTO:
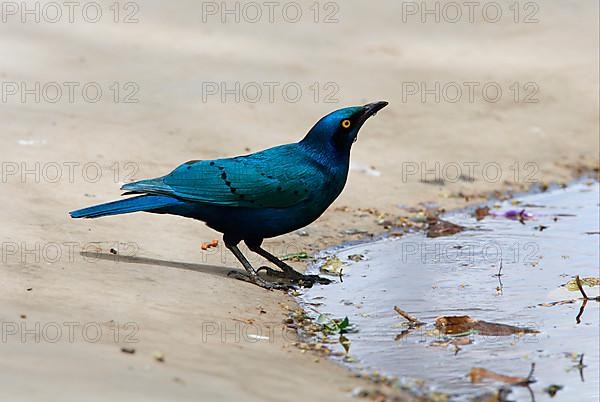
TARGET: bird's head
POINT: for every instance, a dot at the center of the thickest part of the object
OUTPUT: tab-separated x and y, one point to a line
339	130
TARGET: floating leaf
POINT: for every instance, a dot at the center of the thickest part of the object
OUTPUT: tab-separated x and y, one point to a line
344	324
345	342
356	257
438	227
479	374
589	282
553	389
323	319
333	326
332	265
481	213
464	325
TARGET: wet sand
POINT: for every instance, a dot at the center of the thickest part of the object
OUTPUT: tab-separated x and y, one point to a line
172	291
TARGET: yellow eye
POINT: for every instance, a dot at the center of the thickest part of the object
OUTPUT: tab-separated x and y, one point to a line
346	123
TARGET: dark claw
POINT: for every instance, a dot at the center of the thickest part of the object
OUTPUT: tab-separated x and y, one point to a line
258	281
296	277
317	279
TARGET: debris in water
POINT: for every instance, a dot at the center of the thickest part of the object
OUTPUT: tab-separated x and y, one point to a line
585	298
553	389
479	374
499	274
356	257
481	213
465	325
332	265
345	342
334	326
499	395
572	285
438	227
580	366
456	342
500	287
410	318
514	214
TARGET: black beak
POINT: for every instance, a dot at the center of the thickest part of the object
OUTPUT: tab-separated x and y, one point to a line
371	109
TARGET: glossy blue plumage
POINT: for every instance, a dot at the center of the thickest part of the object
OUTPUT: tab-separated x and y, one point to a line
256	196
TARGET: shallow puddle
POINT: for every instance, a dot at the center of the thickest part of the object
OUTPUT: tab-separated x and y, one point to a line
460	275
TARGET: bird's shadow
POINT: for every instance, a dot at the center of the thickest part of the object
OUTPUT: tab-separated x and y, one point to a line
204	268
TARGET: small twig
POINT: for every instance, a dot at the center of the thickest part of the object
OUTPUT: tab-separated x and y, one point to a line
580	367
530	375
581	310
578	282
499	274
529	379
410	318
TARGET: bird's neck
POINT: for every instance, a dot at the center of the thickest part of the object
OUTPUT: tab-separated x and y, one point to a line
331	160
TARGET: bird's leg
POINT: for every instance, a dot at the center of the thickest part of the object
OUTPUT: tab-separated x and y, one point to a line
288	271
251	275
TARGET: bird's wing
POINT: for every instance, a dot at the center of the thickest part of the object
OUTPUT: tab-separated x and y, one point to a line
275	178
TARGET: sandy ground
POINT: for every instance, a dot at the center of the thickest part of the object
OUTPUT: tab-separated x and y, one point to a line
60	310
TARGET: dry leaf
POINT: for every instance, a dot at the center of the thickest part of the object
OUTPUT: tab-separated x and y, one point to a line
463	324
438	227
590	282
332	265
481	213
479	374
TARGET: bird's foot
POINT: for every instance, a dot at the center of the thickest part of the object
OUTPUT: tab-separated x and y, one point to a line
295	277
258	281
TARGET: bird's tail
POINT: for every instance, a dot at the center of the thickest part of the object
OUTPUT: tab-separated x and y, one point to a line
134	204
